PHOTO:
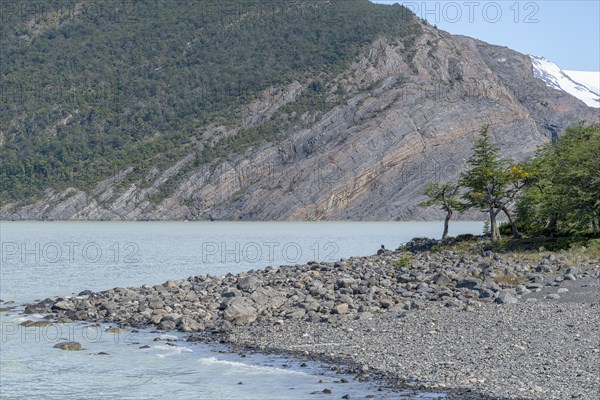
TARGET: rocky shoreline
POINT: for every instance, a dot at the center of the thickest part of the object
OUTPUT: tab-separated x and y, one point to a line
459	320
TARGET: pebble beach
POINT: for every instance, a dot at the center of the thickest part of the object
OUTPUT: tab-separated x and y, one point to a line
459	321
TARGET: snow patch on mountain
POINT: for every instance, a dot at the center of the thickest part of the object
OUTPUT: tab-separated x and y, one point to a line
590	79
581	84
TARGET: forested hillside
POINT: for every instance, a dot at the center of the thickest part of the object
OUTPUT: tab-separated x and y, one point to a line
90	88
250	110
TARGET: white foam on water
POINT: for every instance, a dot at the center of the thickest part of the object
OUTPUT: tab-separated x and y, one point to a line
164	336
248	368
17	319
171	350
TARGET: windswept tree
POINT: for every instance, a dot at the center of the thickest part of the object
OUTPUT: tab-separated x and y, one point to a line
491	183
519	177
445	195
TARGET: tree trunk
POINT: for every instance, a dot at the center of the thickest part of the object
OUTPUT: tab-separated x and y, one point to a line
446	223
515	231
550	228
495	232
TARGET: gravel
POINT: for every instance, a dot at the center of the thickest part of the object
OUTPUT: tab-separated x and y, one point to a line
537	351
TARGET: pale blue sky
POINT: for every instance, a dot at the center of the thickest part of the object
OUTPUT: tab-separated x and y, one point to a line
565	32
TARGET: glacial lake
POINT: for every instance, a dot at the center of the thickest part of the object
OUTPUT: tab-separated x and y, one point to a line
45	259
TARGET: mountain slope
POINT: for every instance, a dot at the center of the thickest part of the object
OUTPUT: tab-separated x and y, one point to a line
559	79
89	88
354	142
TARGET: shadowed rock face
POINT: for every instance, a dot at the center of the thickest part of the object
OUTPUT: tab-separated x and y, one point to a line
403	119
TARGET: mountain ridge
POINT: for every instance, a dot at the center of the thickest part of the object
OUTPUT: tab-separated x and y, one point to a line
360	145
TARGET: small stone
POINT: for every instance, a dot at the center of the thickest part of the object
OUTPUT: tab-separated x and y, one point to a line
543	268
296	314
386	303
521	289
563	290
534	286
570	277
423	288
326	391
341	308
487	293
553	296
227	293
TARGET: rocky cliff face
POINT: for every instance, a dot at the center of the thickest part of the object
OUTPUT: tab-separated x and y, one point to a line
396	121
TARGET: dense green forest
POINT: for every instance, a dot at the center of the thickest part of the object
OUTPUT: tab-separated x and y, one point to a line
563	195
89	88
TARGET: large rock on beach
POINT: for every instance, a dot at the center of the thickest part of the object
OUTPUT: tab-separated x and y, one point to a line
69	346
240	313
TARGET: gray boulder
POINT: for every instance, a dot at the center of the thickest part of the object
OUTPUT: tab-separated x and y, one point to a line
487	293
189	325
167	325
69	346
470	283
37	308
506	297
249	284
575	271
441	279
240	314
64	305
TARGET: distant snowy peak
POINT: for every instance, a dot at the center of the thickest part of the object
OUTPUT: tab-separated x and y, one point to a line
583	85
